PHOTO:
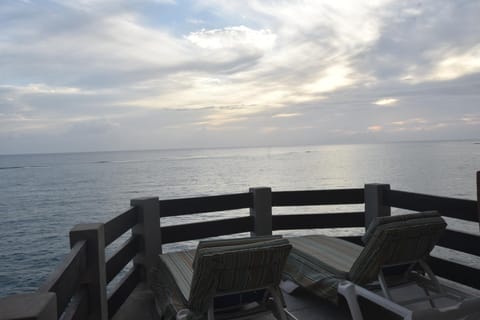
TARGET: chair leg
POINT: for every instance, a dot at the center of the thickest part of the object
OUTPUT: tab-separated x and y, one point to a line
432	276
347	289
383	285
278	301
211	312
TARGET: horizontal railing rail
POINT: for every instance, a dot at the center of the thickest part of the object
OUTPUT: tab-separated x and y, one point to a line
123	290
449	207
78	307
455	271
120	224
461	241
177	207
318	221
67	278
127	251
199	230
317	197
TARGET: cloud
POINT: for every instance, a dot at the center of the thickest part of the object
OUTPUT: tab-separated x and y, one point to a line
91	126
238	67
471	119
386	102
286	115
41	88
220	119
409	121
233	37
375	128
456	64
331	79
269	130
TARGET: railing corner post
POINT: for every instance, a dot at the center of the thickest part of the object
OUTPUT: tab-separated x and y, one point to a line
261	211
31	306
374	202
94	235
149	230
478	197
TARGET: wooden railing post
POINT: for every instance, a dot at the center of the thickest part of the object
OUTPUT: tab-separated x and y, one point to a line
374	202
478	197
31	306
148	228
261	211
94	235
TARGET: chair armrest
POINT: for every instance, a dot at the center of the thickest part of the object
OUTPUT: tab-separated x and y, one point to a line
468	309
351	291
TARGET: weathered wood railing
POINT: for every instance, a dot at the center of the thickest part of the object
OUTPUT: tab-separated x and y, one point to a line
126	253
78	287
204	229
462	241
317	198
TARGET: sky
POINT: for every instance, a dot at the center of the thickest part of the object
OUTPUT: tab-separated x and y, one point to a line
91	75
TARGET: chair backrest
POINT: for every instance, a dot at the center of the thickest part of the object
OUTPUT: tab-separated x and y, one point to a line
396	240
232	266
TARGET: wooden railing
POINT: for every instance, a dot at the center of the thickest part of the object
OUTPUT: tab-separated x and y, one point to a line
77	289
125	254
205	229
67	281
317	198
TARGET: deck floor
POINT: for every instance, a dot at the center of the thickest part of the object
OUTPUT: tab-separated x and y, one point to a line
303	305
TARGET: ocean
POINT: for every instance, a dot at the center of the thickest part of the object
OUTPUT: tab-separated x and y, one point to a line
42	196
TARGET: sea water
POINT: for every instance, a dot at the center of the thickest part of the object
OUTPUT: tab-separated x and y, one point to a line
43	196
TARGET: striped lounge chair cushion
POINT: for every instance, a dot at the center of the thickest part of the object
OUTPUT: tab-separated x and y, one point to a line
243	266
171	281
190	279
318	263
396	240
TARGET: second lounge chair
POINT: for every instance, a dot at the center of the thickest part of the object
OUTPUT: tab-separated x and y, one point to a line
320	263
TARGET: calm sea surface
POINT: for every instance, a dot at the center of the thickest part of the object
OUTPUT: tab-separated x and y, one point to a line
43	196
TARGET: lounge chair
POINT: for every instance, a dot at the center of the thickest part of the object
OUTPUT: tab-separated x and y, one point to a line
328	266
187	283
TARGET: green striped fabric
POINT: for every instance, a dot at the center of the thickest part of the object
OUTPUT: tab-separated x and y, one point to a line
191	279
340	254
230	243
234	241
180	264
235	268
399	218
397	240
171	278
319	263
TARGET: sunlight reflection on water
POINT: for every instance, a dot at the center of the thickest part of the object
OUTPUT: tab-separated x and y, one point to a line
43	196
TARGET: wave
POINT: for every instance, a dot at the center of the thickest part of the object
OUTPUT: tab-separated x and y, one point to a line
10	168
115	161
21	167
